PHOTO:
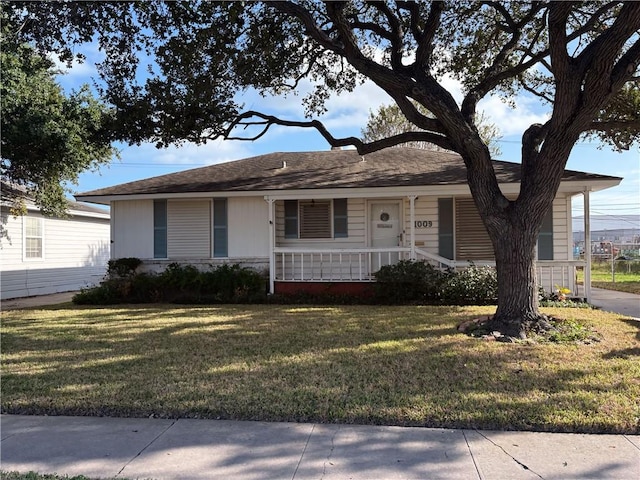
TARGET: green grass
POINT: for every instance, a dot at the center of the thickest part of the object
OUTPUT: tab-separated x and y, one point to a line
601	278
39	476
347	364
36	476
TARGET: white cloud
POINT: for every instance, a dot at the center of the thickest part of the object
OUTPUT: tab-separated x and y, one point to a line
217	151
454	87
513	120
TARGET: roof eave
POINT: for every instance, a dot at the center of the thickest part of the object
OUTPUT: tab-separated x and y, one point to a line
567	186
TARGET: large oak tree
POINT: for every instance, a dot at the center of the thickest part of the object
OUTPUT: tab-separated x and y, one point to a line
176	71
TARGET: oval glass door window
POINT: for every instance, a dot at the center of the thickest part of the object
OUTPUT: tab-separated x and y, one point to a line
384	216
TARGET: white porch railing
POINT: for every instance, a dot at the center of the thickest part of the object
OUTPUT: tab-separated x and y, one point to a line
359	265
331	265
552	273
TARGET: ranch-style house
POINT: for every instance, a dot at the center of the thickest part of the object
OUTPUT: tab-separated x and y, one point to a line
330	219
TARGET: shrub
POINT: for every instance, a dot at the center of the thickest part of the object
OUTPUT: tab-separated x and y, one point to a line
419	282
408	282
471	286
123	267
107	293
177	284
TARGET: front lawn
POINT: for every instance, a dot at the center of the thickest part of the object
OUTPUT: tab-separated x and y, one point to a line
345	364
601	277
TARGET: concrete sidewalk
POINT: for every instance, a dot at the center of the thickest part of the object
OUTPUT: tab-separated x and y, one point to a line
37	301
205	449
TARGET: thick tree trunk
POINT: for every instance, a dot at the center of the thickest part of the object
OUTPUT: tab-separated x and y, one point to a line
517	312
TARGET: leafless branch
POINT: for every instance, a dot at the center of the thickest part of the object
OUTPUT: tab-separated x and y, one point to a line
266	121
537	93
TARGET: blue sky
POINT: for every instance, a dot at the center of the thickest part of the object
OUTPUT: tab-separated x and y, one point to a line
347	115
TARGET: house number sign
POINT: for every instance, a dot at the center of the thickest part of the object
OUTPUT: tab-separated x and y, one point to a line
424	224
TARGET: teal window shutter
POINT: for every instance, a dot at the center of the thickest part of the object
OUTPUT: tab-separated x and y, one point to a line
220	228
160	229
290	219
445	227
545	237
340	221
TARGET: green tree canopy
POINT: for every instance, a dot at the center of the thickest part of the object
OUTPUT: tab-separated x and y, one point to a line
48	138
176	71
388	121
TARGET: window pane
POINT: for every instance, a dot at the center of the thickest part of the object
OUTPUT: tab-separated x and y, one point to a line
290	219
340	223
33	229
33	248
220	230
160	229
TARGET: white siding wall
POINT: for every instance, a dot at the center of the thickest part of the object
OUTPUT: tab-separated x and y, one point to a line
426	210
189	228
132	229
76	252
562	234
248	227
356	228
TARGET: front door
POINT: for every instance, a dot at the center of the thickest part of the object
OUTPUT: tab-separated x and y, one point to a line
385	231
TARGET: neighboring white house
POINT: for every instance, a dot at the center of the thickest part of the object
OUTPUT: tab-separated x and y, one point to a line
42	255
329	217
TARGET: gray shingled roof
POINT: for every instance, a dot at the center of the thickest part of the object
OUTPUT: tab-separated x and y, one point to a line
10	191
324	169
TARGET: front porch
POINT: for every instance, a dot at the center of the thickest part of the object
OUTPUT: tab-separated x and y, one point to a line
338	238
350	265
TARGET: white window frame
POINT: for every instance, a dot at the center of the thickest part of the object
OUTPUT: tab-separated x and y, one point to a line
40	220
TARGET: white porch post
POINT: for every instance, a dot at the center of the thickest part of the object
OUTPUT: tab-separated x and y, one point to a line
272	242
587	247
412	219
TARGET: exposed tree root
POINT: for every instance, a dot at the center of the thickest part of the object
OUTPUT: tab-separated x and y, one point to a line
508	330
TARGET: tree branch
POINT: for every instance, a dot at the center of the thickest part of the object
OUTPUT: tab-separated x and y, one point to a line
416	117
612	40
307	20
425	41
615	125
625	69
396	34
414	14
495	73
243	120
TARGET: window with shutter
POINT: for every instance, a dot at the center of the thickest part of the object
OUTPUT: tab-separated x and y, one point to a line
472	239
315	218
